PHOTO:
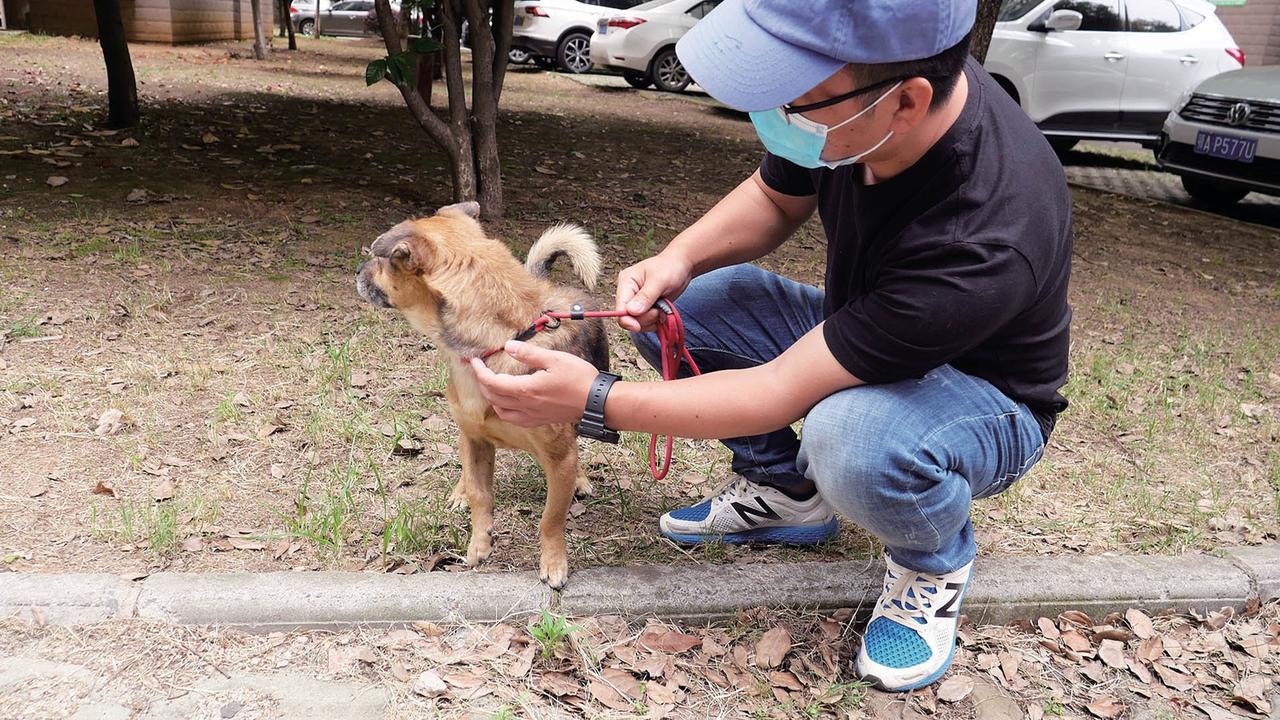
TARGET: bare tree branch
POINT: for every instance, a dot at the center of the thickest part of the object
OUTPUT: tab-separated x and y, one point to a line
435	127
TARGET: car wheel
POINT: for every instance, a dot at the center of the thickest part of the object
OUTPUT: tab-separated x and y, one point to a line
519	56
1213	193
667	73
573	55
307	27
636	80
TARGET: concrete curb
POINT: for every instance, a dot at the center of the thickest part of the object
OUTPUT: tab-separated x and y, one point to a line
1004	589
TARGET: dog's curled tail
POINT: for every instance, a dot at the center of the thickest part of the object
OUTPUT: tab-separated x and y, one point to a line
570	240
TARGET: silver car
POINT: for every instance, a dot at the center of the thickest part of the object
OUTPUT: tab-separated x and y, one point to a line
343	18
1223	136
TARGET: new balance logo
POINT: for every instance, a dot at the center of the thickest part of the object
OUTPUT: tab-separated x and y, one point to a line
949	610
764	511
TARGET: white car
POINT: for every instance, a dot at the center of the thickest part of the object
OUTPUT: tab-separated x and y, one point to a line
558	32
642	42
1109	69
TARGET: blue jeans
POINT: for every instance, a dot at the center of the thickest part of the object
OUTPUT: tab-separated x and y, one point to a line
903	460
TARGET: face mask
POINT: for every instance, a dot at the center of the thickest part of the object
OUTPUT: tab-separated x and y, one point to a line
801	140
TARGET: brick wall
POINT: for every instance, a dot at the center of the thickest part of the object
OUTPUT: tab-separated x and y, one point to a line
164	21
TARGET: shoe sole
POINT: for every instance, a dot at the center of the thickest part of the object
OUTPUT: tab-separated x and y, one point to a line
789	535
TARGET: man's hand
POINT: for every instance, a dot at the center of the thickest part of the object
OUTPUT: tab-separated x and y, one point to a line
641	285
556	392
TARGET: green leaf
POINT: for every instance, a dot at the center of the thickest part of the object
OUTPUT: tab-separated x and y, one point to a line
400	67
425	45
375	71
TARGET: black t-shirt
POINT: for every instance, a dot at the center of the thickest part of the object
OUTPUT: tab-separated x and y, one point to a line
963	258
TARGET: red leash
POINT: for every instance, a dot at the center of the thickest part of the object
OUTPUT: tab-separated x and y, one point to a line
670	338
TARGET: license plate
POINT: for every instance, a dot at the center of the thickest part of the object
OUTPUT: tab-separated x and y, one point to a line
518	21
602	27
1225	146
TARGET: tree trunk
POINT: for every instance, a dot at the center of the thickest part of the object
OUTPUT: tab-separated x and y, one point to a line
317	28
484	110
261	50
288	23
122	88
282	7
983	26
453	137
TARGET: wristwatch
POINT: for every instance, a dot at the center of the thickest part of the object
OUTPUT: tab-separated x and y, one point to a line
592	423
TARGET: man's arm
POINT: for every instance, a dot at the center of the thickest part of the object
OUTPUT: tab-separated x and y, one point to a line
729	403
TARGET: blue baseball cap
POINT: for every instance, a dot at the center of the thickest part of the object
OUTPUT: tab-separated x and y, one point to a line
761	54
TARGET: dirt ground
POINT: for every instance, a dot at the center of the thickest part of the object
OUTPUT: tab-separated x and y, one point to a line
188	380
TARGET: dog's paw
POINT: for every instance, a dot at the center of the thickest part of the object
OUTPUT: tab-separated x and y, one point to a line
458	498
554	571
582	487
479	550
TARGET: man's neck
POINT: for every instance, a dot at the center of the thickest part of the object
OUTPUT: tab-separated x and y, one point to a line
922	138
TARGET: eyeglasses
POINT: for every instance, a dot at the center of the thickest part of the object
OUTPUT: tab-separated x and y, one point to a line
793	109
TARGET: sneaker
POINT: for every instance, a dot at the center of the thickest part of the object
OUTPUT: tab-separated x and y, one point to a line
912	634
743	512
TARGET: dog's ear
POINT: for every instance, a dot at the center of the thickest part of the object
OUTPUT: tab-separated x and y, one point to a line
470	209
400	252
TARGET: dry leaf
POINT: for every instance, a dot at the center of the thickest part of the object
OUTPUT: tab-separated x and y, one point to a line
360	378
1150	649
1140	623
1139	670
137	195
712	648
105	487
268	429
193	544
1106	707
429	684
558	684
1252	693
110	422
1076	641
773	647
523	662
1048	629
783	679
56	181
242	544
129	142
1173	678
1009	667
544	170
1112	653
163	490
399	671
955	688
1076	617
616	689
659	639
208	138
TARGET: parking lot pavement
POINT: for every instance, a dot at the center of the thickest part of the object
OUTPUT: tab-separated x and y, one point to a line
1127	169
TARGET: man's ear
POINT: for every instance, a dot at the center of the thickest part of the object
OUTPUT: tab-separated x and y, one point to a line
912	99
470	208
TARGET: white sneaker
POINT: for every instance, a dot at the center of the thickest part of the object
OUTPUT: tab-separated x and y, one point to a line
912	634
743	512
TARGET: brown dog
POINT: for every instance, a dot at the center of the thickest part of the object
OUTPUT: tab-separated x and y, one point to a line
469	294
